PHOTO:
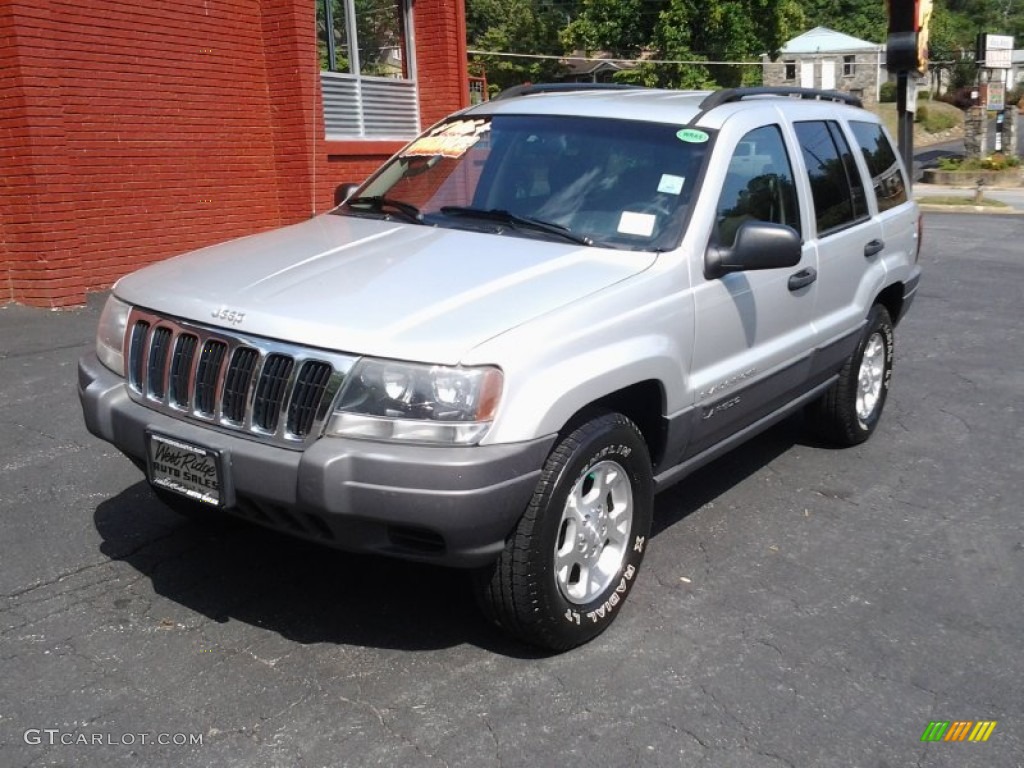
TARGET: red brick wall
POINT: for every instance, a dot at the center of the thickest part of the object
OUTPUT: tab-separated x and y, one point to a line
130	132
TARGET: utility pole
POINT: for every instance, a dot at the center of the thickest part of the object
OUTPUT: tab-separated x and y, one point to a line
906	103
906	53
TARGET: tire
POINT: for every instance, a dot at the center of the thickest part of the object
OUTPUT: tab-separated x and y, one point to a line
849	411
575	553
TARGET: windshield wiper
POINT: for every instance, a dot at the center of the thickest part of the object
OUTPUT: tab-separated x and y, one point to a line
383	204
514	220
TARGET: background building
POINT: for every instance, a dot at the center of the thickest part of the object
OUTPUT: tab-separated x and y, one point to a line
130	132
824	58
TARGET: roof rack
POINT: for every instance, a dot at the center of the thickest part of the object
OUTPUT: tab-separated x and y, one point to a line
729	95
532	88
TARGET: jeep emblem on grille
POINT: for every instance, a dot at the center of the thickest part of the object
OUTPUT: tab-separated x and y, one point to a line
232	316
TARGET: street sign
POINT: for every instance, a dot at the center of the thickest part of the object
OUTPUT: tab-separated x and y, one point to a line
995	51
995	95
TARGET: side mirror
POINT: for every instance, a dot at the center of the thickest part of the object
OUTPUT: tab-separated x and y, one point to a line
344	191
759	245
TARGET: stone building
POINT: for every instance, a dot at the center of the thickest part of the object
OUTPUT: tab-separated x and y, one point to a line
824	58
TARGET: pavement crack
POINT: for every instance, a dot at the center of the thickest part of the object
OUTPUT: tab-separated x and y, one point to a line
769	644
494	738
774	756
54	580
707	560
956	417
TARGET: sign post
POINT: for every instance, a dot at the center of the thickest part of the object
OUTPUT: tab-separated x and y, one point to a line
995	55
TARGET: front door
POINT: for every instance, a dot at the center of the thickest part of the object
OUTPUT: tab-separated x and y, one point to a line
753	328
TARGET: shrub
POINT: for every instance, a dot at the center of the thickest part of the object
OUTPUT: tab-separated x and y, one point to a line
960	98
921	115
887	92
1000	162
995	162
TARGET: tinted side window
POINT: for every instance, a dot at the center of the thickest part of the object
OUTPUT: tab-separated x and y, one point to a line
886	176
758	185
835	184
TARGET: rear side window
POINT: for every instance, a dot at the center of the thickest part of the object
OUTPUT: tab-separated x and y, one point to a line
886	176
836	185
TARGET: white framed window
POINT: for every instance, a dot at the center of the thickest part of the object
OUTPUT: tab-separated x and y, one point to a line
849	66
367	69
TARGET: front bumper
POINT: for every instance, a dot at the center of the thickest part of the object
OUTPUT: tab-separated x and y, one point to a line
449	505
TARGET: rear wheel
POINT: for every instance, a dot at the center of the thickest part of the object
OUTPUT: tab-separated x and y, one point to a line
575	553
849	411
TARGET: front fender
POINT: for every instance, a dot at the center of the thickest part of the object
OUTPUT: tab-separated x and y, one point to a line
541	402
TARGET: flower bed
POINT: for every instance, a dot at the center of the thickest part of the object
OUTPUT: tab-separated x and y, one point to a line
1011	177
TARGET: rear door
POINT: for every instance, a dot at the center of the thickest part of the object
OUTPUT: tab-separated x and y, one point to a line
894	209
847	238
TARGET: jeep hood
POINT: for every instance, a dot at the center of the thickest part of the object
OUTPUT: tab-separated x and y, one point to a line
368	286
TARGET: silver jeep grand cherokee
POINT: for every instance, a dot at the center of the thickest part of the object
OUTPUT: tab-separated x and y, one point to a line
535	316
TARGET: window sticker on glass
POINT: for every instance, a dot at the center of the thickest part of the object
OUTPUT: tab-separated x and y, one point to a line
692	136
671	185
449	140
632	223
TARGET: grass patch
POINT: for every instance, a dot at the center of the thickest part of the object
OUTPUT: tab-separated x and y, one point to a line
947	200
940	117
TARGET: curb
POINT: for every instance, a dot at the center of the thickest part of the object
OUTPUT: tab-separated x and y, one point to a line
930	208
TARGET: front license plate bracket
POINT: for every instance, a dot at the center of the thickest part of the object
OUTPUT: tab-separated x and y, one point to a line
191	470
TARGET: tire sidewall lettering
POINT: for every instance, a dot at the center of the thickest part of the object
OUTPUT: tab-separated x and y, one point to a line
605	607
884	328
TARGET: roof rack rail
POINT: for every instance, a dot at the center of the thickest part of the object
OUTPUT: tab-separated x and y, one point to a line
729	95
532	88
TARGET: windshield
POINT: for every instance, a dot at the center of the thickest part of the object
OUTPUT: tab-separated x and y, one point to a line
612	183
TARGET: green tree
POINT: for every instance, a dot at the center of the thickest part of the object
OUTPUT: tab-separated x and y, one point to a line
865	19
619	27
516	26
736	30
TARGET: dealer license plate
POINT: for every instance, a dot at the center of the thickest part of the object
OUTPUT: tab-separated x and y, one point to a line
184	468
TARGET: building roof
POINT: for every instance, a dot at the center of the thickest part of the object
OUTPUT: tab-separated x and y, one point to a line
586	66
825	40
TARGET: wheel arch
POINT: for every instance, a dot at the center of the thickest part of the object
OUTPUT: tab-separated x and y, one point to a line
643	403
891	297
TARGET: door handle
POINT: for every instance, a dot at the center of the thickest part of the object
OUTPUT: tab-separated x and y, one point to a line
803	278
872	248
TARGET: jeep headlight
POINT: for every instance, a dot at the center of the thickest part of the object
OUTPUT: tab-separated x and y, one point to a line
392	400
110	334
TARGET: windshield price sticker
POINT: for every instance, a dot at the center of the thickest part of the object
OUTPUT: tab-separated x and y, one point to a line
641	224
449	140
183	468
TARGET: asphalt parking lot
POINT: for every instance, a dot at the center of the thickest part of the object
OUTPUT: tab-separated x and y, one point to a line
799	605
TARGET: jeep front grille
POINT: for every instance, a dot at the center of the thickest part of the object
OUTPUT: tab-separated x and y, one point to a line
269	390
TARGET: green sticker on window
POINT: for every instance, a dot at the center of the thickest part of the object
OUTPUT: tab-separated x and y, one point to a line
692	135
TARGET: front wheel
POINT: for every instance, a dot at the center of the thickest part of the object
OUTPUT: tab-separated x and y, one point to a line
574	555
849	411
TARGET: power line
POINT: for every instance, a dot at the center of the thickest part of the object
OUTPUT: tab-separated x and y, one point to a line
614	61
